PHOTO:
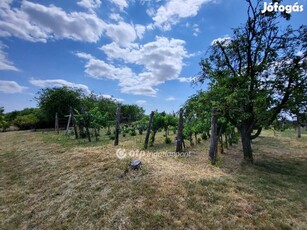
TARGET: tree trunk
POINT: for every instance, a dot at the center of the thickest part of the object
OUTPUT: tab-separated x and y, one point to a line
86	121
96	133
179	133
148	129
298	127
153	137
140	131
191	139
88	134
246	143
257	133
56	126
74	122
221	139
299	131
117	127
222	144
214	138
226	141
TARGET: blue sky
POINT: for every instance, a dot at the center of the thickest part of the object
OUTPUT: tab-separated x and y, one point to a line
137	51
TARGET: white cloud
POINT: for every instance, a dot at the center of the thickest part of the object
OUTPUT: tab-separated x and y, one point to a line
185	79
5	64
162	60
120	3
5	4
129	82
38	23
223	40
171	13
140	30
196	30
90	4
11	87
83	55
115	17
58	83
141	102
111	97
121	33
170	98
100	69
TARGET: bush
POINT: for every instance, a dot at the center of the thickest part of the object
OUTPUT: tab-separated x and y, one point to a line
108	133
167	140
235	139
26	121
204	136
132	132
112	137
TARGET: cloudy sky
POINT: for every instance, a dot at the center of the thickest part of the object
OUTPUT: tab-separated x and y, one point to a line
139	51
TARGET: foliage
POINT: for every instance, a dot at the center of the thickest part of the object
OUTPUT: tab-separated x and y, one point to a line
4	124
26	121
37	112
132	131
254	73
162	121
58	100
131	113
167	140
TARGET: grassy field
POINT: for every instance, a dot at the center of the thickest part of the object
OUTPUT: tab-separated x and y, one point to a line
49	181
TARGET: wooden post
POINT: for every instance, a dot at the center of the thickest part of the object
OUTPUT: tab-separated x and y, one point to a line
148	129
299	132
86	121
56	126
68	124
221	139
117	127
214	137
179	138
74	122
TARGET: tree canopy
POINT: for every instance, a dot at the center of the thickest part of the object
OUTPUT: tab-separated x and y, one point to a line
257	72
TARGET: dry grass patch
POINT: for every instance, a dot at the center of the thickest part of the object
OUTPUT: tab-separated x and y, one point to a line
48	182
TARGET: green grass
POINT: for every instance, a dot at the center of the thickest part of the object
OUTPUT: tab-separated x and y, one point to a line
49	181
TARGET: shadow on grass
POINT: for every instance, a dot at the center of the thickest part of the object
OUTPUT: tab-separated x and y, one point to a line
292	169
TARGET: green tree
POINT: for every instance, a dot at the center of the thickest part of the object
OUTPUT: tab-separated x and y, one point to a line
28	121
58	100
4	124
157	123
256	71
131	113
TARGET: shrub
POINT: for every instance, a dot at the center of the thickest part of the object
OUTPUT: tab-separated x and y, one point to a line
132	132
167	140
204	136
112	137
235	139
